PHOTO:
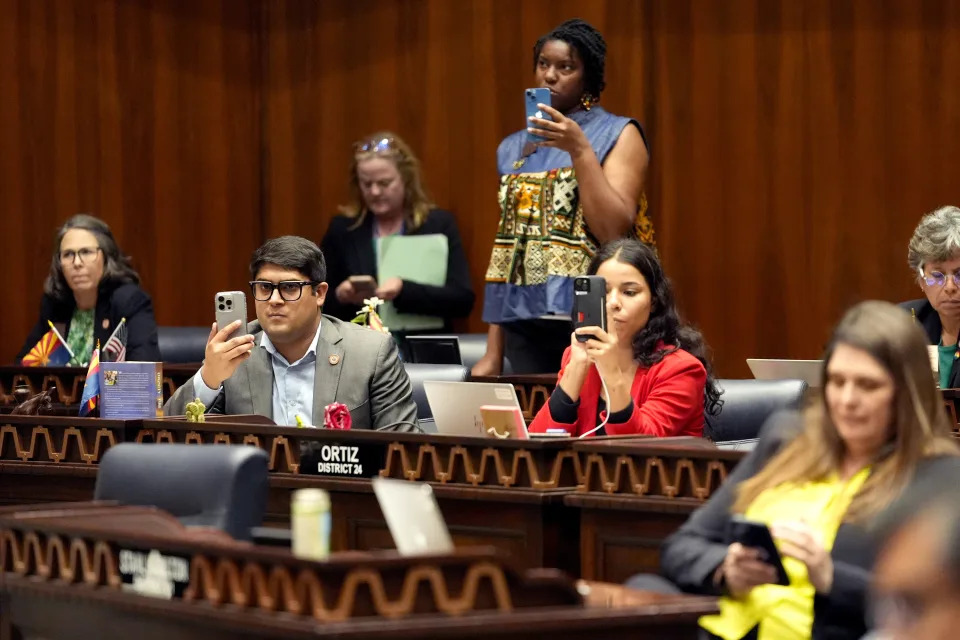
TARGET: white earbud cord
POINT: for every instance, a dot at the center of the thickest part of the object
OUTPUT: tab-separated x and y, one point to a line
606	396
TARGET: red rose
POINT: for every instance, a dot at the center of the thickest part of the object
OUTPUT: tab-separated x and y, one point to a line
336	416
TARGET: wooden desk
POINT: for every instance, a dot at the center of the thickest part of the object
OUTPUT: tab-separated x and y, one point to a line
597	508
67	382
634	493
473	593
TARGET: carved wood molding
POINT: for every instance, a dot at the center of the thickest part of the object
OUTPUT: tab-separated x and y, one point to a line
284	452
54	444
482	466
61	558
338	597
654	476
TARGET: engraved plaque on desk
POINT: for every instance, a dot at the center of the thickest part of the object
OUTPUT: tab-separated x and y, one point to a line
343	460
154	574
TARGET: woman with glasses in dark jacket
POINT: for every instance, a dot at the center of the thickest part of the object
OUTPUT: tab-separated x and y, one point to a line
90	289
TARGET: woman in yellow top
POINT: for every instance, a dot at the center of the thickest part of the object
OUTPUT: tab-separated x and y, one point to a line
819	480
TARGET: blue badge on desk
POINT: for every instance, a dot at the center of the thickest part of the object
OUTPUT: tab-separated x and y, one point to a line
342	460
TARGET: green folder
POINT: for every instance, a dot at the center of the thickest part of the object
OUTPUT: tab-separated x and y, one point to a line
421	259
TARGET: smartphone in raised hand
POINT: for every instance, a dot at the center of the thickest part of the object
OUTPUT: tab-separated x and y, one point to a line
532	99
228	307
589	303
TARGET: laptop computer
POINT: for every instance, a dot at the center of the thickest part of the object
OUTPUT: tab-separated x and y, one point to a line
456	405
809	371
413	517
434	349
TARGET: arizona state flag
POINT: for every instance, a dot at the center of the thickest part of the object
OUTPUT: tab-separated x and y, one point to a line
51	351
91	387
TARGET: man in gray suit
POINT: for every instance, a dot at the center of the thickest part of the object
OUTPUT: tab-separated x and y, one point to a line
301	360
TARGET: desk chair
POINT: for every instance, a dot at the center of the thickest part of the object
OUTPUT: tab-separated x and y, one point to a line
420	373
182	344
212	485
748	403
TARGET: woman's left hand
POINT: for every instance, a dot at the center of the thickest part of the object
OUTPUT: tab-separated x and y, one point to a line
799	541
561	132
389	289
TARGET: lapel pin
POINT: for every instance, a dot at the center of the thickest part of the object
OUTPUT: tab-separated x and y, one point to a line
334	359
106	323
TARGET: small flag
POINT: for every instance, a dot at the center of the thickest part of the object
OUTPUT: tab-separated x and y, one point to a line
91	387
50	351
115	350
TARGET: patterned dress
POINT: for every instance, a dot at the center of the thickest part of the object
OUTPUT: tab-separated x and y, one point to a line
542	240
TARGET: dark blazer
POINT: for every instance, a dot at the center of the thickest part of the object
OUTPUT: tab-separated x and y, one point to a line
690	556
114	301
349	252
928	318
356	366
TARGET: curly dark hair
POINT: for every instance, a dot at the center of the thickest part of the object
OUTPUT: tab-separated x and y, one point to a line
664	324
589	44
116	266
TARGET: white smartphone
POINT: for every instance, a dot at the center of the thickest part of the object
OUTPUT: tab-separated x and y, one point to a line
230	306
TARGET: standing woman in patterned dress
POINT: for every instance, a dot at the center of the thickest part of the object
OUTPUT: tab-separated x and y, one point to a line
560	199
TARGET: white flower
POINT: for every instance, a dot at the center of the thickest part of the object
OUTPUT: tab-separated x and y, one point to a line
373	303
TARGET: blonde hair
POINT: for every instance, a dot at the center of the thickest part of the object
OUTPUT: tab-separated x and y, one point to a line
416	203
920	425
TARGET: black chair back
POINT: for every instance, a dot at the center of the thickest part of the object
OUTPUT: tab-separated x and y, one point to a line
180	345
748	403
420	373
212	485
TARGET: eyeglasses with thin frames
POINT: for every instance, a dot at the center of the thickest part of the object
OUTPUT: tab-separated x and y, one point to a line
290	290
85	254
937	279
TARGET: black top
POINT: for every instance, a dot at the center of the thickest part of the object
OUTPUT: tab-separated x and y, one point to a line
690	556
349	252
114	301
928	318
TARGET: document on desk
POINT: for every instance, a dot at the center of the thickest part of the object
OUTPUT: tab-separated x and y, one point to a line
421	259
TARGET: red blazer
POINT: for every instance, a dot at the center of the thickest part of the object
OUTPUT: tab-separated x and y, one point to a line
667	400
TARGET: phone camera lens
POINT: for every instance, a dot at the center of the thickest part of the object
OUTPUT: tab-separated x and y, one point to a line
229	303
220	298
221	307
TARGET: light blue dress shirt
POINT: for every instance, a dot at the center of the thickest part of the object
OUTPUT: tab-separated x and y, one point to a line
292	384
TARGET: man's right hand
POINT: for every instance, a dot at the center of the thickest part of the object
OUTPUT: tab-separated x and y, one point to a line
222	356
348	294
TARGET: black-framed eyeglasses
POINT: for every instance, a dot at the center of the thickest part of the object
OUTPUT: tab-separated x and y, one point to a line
290	290
375	145
85	254
938	279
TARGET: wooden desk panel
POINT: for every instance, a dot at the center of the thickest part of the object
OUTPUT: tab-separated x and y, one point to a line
471	593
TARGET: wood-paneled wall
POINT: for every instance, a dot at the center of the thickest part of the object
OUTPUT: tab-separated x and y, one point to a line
794	144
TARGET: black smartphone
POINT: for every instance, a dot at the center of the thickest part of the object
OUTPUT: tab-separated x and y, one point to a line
589	303
751	533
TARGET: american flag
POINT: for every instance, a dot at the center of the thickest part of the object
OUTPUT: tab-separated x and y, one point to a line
115	350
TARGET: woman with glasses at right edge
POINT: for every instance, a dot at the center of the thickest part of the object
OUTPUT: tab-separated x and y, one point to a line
934	256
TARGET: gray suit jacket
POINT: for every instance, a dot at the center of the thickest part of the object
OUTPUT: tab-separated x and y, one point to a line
356	366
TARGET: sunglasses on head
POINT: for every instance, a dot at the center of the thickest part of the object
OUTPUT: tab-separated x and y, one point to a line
375	145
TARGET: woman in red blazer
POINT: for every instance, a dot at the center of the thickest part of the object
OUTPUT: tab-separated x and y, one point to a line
655	368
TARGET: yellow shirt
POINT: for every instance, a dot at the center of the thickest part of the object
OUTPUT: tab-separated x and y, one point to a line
786	613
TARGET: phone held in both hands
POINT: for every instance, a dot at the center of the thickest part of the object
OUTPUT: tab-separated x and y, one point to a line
533	98
751	533
230	306
589	303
